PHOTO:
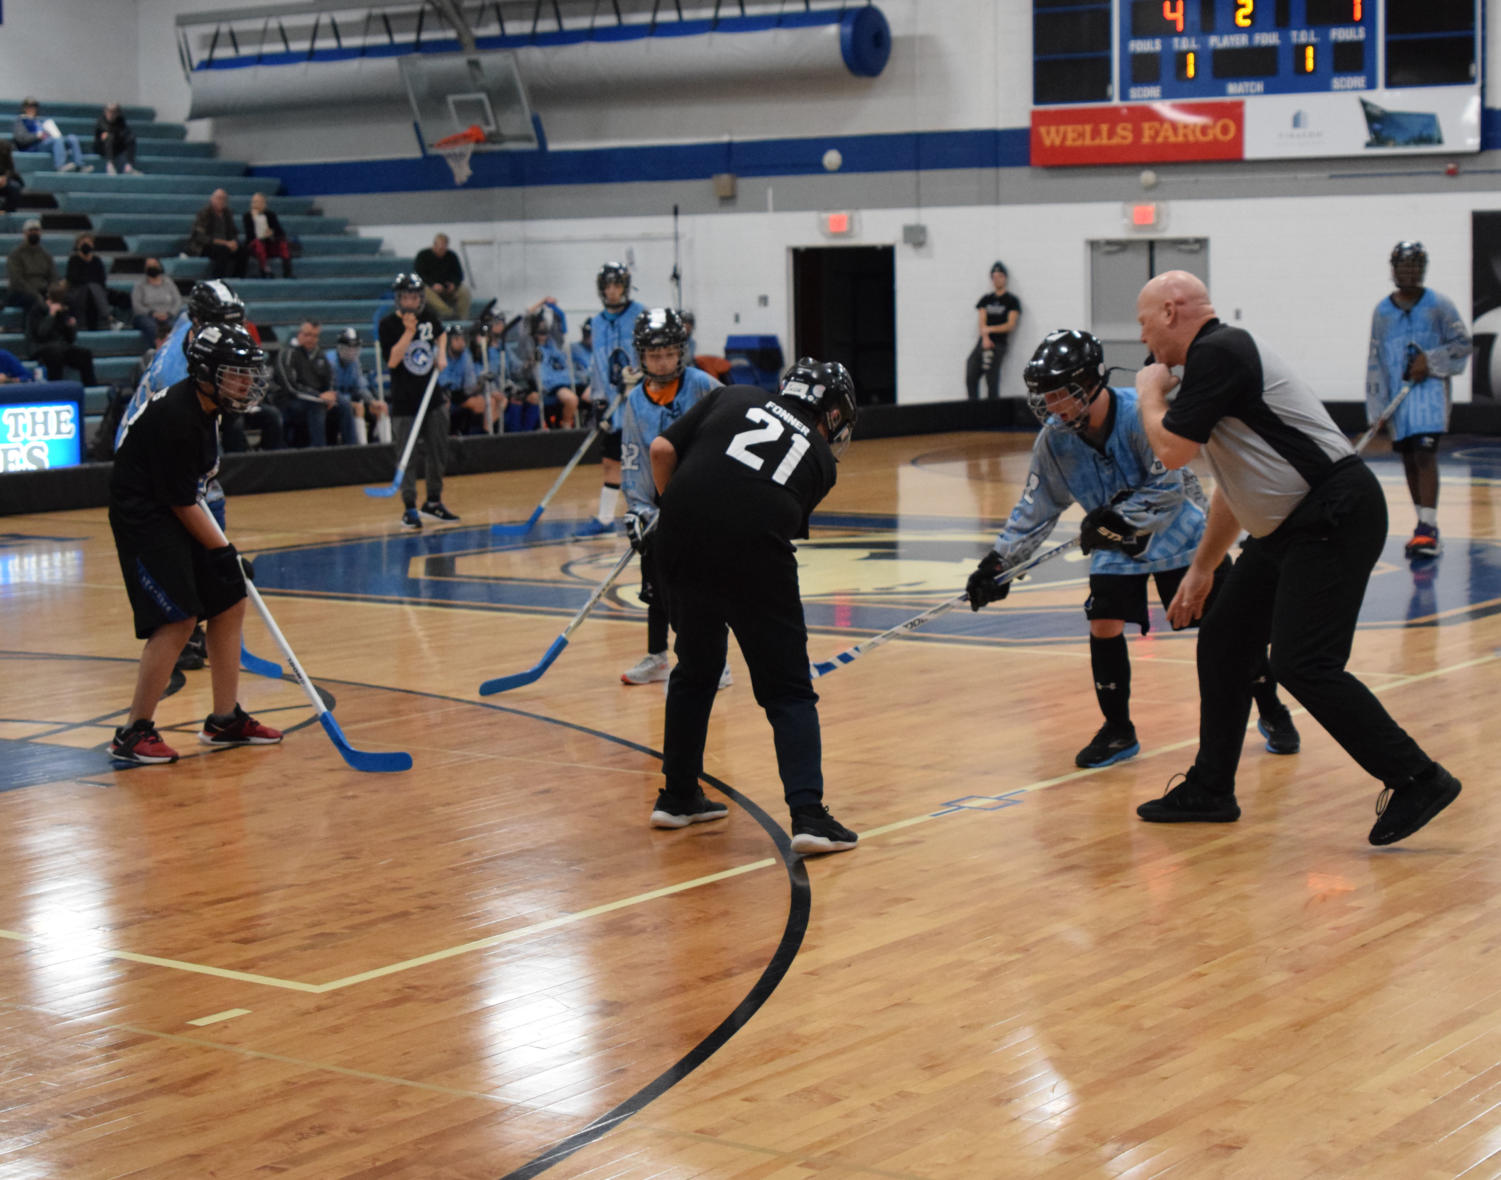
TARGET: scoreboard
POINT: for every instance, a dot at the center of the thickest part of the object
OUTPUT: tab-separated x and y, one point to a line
1306	77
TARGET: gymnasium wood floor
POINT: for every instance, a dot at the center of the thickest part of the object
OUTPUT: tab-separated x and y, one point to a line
261	962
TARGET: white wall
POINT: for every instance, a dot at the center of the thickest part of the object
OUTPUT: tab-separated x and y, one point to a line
69	50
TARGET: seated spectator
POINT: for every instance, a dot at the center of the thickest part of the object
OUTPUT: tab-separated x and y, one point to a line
88	292
32	133
214	236
549	367
53	332
442	273
460	380
11	183
350	384
114	140
307	391
12	370
266	238
154	303
29	269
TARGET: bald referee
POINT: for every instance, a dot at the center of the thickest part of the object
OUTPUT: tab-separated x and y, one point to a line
1317	519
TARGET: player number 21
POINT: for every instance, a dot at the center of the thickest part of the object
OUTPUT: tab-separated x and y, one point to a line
769	431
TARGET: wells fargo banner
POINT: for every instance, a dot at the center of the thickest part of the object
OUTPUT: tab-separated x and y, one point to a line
1138	133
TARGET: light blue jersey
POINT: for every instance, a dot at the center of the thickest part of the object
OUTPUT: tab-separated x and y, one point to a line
168	366
348	379
644	420
1168	504
614	353
1433	326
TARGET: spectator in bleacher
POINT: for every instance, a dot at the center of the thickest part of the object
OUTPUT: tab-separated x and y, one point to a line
581	352
214	236
11	368
307	391
460	380
114	140
53	332
32	133
442	274
154	303
11	183
266	238
88	291
351	385
29	269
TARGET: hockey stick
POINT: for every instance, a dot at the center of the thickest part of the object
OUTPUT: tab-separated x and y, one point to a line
406	453
1391	408
359	759
849	655
534	673
250	662
515	530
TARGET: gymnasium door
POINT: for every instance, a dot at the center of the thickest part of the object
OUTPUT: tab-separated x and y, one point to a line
844	309
1117	270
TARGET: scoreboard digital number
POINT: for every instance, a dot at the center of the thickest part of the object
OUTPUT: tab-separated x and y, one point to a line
1422	56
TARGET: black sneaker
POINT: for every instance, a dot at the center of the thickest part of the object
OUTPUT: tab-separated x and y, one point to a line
141	744
194	653
1401	811
1280	732
815	830
1114	743
1189	802
673	811
410	520
435	509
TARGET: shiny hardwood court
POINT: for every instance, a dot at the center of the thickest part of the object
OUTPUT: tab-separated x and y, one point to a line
262	962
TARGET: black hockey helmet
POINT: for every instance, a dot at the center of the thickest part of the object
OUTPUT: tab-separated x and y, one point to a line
661	327
1409	264
225	358
406	281
349	338
827	388
613	272
212	302
1069	362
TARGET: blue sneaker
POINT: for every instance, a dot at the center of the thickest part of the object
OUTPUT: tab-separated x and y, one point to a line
594	527
1280	733
410	520
1111	745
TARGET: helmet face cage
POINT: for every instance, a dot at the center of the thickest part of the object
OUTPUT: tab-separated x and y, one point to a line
1071	363
661	327
1409	264
613	272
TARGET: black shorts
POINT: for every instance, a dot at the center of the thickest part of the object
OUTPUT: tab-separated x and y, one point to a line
609	445
169	578
1124	596
1416	443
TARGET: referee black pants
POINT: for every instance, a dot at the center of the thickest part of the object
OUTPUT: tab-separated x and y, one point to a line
1300	587
766	614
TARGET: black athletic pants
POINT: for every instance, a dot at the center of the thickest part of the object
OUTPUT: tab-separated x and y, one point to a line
974	369
1301	587
765	611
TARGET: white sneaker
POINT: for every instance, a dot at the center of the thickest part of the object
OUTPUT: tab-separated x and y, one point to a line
69	167
110	168
650	669
725	678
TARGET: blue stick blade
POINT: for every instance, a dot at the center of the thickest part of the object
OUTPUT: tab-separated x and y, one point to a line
385	493
511	530
366	760
257	666
505	683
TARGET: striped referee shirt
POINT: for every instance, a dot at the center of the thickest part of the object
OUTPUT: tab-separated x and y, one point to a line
1268	438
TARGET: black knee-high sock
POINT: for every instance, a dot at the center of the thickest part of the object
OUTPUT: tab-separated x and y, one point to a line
1112	678
656	627
1264	690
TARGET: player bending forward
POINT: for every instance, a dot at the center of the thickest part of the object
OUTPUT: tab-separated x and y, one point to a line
178	567
1143	521
739	475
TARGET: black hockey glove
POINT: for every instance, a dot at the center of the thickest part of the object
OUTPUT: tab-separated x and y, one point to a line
225	563
638	530
1105	528
982	586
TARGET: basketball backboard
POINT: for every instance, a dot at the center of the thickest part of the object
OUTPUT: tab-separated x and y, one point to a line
452	91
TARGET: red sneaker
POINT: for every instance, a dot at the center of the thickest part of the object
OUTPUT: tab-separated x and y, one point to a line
140	743
241	730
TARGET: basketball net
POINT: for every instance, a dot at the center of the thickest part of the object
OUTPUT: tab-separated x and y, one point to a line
457	148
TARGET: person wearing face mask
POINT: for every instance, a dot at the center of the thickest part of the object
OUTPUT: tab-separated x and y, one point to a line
29	269
88	292
154	303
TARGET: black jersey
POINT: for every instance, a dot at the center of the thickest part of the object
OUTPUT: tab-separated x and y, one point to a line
409	378
998	307
750	472
165	457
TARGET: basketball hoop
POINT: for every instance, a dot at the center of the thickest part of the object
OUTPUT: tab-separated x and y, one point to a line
457	148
